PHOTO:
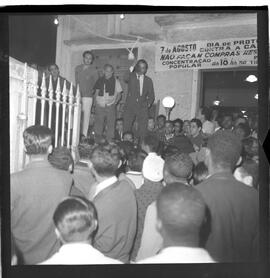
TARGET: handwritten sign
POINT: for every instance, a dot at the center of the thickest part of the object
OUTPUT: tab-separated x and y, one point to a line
224	53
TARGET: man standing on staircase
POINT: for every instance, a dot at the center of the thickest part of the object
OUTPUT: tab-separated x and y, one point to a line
85	76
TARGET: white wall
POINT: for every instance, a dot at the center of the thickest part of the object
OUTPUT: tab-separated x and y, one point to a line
183	85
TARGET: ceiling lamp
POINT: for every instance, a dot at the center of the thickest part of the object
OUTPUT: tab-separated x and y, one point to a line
256	96
243	111
216	102
251	78
168	103
122	16
56	20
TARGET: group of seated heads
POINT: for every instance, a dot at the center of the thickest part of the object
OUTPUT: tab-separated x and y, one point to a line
223	150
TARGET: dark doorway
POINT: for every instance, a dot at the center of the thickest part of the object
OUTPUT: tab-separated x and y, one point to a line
32	38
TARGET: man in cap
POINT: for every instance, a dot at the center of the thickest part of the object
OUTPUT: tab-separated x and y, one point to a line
152	171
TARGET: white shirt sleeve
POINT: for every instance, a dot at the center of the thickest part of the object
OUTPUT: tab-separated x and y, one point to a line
118	87
151	242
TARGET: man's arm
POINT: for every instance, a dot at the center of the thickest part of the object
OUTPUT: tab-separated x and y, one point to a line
118	91
151	242
151	93
76	76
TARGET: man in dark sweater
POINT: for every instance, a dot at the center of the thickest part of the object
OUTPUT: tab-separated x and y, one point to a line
153	174
234	207
34	194
115	203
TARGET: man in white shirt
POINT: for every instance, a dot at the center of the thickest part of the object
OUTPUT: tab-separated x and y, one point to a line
181	212
75	219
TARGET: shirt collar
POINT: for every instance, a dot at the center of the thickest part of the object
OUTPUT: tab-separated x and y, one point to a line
104	184
140	76
134	173
38	163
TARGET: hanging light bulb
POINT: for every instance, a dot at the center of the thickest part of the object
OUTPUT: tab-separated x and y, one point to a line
56	20
216	102
251	78
122	16
256	96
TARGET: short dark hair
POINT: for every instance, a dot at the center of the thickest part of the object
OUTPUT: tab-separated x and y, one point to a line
37	139
108	66
197	122
161	116
105	159
141	61
152	142
179	121
179	165
74	218
89	52
53	64
85	150
135	160
181	209
128	132
245	128
169	151
225	148
119	120
200	172
206	112
61	158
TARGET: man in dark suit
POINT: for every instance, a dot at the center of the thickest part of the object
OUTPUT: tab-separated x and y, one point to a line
139	99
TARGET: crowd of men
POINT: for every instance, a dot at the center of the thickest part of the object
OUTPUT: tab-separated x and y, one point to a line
180	192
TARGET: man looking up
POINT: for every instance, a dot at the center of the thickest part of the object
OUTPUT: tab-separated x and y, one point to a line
107	94
85	76
139	99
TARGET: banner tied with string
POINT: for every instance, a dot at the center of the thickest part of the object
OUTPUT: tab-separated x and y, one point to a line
209	54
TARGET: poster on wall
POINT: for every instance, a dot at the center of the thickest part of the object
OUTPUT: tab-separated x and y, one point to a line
210	54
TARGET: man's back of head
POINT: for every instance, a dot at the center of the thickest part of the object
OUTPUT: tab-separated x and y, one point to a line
105	159
181	212
223	151
150	143
177	167
37	140
75	219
